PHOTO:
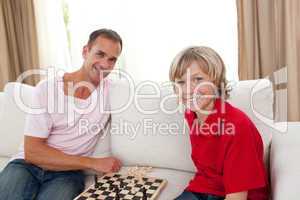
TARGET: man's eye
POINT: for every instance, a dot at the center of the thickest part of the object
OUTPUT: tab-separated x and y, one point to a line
113	60
100	54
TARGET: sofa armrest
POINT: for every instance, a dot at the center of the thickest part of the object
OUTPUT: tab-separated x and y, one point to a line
285	162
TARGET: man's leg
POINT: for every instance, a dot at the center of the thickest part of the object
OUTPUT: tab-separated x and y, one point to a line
17	182
61	185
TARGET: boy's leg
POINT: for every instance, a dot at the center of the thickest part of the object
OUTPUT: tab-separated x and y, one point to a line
186	195
18	182
212	197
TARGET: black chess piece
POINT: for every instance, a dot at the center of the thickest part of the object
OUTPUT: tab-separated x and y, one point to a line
117	191
122	184
144	191
96	181
111	187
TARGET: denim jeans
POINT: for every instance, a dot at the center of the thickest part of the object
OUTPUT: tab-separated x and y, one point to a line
21	180
186	195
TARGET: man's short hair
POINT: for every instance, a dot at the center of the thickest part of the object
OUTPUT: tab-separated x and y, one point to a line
107	33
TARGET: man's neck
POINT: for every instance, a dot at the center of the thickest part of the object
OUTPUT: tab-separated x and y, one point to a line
75	78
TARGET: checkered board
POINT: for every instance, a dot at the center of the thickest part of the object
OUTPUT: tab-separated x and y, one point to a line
130	189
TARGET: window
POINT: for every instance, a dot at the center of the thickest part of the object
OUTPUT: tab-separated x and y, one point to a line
155	31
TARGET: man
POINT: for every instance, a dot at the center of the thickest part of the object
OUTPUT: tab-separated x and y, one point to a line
55	151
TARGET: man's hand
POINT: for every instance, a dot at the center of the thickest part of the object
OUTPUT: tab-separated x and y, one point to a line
106	165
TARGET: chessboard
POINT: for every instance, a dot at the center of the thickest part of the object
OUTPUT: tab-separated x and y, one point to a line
116	186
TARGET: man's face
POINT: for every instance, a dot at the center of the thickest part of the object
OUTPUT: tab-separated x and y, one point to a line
100	58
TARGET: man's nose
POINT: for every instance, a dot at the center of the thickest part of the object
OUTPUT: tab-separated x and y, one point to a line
104	64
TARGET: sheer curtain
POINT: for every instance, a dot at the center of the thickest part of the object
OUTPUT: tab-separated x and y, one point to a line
155	31
52	35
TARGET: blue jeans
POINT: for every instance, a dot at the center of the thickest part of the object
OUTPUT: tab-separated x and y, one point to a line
186	195
21	180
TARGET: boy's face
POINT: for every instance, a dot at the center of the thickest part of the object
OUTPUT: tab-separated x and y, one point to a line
195	88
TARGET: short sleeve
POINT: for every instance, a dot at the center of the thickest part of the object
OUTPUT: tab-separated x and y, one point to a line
243	164
38	122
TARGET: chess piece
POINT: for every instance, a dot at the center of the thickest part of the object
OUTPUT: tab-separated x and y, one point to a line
96	181
122	184
117	196
144	191
117	191
111	187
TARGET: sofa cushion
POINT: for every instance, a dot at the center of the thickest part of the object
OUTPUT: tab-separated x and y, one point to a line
16	97
12	121
2	100
21	93
285	163
3	162
155	138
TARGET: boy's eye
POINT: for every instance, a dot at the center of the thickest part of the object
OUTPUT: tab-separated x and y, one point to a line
180	82
198	79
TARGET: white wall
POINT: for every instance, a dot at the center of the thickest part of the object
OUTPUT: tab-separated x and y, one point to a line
154	31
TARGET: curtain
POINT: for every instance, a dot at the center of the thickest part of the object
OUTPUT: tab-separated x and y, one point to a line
269	40
52	35
18	40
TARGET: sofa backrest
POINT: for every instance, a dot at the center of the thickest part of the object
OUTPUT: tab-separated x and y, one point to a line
161	139
12	118
157	139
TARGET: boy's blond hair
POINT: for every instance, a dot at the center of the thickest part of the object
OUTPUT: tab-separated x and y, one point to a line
209	61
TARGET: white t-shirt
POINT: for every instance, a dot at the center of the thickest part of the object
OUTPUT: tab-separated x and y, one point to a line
70	124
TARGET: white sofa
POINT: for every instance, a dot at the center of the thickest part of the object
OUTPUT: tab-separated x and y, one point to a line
161	140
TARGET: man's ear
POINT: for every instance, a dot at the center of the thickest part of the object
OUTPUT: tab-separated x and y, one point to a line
85	51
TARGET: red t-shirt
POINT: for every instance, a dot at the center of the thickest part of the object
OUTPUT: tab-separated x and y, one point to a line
227	151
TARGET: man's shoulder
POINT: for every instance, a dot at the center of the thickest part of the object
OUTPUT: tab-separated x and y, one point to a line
48	83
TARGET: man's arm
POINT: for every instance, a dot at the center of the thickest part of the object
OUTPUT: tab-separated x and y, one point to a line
39	153
237	196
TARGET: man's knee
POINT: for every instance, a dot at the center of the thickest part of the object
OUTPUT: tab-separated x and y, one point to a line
62	188
70	191
13	181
